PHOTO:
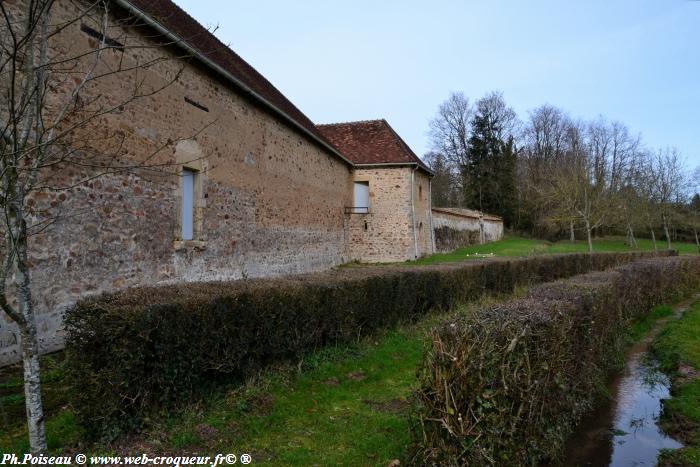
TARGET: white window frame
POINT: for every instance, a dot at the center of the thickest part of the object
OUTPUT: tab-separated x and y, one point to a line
188	203
360	197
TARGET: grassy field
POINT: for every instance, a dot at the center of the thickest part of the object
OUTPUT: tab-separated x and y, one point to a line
678	349
348	407
518	246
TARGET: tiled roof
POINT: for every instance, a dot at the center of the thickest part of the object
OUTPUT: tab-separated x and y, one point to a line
370	142
178	22
467	213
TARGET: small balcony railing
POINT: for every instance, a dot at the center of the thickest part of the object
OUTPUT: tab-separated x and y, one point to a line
356	210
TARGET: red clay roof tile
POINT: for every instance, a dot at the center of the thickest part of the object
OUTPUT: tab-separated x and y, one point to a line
370	142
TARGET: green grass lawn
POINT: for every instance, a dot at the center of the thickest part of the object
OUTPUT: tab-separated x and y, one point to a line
60	424
678	348
518	246
348	407
641	326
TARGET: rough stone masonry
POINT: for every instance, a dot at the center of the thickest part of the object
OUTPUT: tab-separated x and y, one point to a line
270	193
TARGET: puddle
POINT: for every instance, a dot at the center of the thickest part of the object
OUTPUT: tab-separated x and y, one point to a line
624	432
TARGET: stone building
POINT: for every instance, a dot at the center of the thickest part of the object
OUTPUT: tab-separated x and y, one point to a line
390	219
239	182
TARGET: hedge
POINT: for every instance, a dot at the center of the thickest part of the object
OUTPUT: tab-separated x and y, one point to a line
507	385
138	353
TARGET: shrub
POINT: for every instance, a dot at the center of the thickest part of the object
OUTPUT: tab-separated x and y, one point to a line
506	385
137	353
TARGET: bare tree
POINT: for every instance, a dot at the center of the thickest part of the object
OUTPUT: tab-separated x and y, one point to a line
624	152
542	166
624	176
450	132
445	184
562	182
645	187
628	204
561	194
503	121
590	201
54	101
669	184
545	134
694	216
599	148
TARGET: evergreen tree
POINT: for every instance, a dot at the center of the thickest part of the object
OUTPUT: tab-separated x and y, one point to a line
491	165
695	202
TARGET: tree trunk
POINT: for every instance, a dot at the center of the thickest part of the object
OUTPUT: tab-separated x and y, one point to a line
633	241
697	242
30	348
572	235
668	237
32	389
482	236
653	240
588	234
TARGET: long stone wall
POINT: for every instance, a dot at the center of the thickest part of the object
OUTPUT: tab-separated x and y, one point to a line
457	228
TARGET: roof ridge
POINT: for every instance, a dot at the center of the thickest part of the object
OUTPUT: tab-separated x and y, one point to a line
376	120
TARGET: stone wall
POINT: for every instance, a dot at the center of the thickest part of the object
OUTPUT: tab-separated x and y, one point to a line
270	200
421	193
493	228
386	233
454	230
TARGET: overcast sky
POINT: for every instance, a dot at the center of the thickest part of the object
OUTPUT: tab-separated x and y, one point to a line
637	61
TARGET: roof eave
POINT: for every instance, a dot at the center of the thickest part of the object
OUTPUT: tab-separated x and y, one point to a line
395	164
245	88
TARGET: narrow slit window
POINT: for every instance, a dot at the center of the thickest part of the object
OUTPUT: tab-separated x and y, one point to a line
188	179
101	37
196	104
361	197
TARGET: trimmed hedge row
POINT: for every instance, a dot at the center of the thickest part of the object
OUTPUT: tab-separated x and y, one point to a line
136	353
506	385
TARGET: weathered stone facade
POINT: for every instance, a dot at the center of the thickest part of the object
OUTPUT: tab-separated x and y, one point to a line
270	197
455	228
423	213
397	226
270	200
